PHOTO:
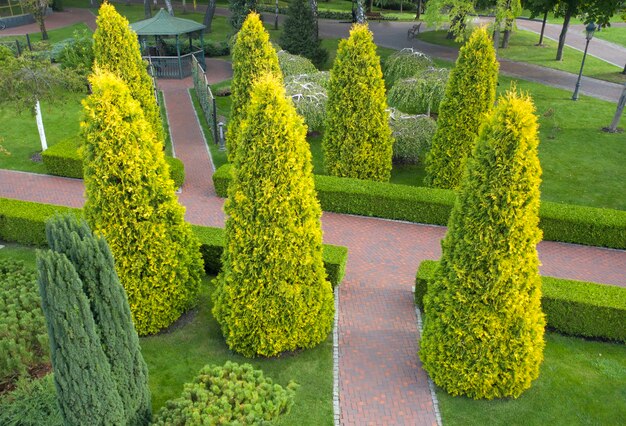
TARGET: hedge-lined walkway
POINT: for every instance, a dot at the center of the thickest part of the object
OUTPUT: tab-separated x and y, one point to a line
380	379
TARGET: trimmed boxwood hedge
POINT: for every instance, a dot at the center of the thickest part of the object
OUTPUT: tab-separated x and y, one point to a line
559	222
63	159
24	222
572	307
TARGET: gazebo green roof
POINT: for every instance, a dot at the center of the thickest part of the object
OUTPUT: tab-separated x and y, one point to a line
165	24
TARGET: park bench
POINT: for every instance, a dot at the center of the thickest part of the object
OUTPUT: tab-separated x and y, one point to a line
414	31
374	16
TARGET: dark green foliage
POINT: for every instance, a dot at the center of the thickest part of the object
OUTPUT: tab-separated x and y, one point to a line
85	388
77	54
559	222
483	331
31	403
239	10
232	394
216	48
23	339
94	263
469	96
571	307
299	35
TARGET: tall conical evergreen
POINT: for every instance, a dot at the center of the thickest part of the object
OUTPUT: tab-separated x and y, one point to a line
272	294
253	57
469	97
239	11
132	202
86	391
94	263
483	329
299	35
357	141
116	49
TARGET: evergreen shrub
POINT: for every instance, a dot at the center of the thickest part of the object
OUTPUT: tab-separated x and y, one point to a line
78	54
23	337
232	394
405	63
300	34
293	65
421	94
31	403
412	136
309	98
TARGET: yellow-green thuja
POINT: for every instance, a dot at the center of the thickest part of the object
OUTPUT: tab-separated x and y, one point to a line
116	49
131	200
253	56
483	327
357	142
272	295
469	97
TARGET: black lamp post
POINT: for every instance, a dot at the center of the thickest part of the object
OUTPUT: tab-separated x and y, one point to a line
589	30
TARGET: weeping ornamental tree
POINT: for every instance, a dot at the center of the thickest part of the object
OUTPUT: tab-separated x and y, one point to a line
483	329
93	261
116	49
272	295
253	56
469	96
131	200
357	142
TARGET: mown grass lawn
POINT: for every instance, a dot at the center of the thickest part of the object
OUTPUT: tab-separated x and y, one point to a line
613	34
54	36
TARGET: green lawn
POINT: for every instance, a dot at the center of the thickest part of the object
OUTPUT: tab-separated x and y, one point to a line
522	49
54	36
18	252
615	35
581	382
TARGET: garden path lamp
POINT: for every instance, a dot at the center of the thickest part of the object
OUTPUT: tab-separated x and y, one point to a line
589	30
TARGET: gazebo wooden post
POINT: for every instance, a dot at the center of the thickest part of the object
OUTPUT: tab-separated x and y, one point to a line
180	63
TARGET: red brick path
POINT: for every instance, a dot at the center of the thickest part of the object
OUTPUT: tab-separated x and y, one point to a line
380	378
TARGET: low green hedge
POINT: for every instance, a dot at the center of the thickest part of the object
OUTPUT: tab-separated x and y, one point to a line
572	307
559	222
24	222
63	159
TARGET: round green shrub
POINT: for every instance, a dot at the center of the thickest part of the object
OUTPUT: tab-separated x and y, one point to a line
421	94
294	64
23	336
232	394
405	63
309	98
412	136
31	403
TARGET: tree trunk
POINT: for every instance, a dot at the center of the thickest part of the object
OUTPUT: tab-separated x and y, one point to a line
543	28
313	4
147	11
208	15
418	13
360	13
170	10
40	129
508	28
184	6
559	50
370	4
496	35
624	72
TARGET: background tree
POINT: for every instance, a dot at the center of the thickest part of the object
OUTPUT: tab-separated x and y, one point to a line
253	56
506	12
538	8
357	142
299	34
456	12
82	374
209	14
483	329
38	9
116	49
94	264
239	10
131	200
272	294
469	96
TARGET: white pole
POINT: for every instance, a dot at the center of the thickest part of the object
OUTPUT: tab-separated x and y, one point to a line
42	134
620	108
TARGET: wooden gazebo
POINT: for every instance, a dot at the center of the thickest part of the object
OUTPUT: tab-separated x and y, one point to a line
169	60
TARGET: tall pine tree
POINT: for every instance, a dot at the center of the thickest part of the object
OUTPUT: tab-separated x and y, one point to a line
468	99
132	202
116	49
357	141
94	263
86	391
483	329
299	35
253	57
272	294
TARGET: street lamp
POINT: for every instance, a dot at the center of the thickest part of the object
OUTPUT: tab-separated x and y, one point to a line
589	30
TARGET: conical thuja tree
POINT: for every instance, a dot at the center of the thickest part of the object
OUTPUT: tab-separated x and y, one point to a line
357	142
299	35
469	97
483	329
253	56
132	202
94	263
116	49
86	391
272	294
